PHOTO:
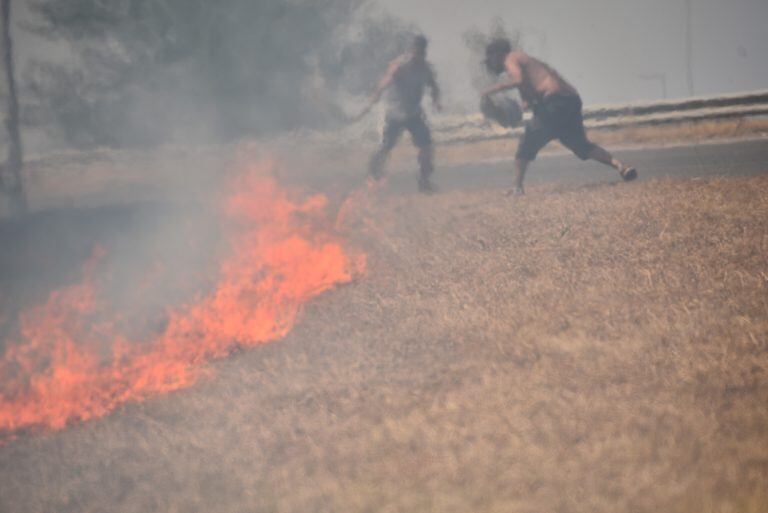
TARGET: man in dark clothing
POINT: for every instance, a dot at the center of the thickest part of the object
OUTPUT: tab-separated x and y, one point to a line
404	83
556	109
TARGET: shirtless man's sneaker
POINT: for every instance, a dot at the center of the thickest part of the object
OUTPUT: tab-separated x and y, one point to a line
628	174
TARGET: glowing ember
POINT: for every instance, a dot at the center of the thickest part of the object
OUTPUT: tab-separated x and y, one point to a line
282	253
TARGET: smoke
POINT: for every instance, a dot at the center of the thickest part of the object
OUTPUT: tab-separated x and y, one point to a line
119	334
143	73
189	260
137	296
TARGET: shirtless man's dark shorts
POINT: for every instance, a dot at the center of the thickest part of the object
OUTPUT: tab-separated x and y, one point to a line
557	117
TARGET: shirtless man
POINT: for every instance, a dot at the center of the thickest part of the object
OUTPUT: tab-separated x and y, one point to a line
404	82
556	110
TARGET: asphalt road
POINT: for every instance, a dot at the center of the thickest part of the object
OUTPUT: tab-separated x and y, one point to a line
737	158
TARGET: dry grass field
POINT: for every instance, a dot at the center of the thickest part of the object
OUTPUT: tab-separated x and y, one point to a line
581	349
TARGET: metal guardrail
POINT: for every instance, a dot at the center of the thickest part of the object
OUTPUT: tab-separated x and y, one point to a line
686	104
474	128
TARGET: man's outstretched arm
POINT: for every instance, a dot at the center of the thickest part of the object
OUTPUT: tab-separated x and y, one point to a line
434	89
385	82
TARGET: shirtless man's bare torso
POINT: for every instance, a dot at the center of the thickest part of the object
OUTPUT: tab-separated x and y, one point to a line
537	80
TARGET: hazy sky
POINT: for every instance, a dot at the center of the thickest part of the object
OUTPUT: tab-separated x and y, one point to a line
603	46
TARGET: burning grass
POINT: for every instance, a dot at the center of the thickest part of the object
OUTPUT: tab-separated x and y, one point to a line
583	349
280	253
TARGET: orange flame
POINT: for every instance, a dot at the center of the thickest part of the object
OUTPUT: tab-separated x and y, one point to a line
283	253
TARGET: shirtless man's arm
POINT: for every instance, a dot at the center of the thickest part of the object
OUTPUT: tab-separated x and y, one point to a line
513	80
383	84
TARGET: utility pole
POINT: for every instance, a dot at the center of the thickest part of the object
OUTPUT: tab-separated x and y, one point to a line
12	182
689	46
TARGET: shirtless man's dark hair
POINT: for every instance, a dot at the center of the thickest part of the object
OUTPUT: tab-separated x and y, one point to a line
556	109
404	82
